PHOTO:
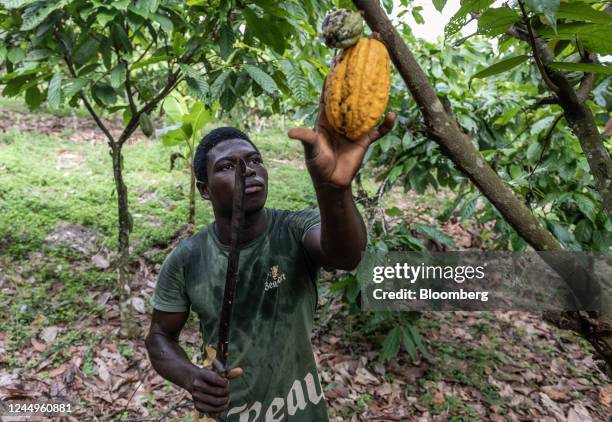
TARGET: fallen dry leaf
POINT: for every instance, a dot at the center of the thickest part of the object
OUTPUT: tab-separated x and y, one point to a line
578	413
438	398
138	304
211	355
605	395
58	371
555	393
48	334
38	346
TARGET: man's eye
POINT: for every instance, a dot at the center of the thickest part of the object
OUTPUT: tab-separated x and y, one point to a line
227	166
257	160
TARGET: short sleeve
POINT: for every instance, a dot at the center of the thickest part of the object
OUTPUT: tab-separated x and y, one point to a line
170	292
302	221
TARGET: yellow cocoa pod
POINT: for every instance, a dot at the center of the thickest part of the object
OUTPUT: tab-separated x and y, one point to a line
357	88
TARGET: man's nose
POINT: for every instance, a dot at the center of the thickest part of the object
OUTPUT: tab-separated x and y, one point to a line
250	171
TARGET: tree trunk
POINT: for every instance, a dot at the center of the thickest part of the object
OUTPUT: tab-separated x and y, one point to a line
456	145
129	327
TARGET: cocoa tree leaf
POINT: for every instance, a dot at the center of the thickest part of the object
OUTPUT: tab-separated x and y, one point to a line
54	92
500	67
439	4
548	8
577	10
261	78
582	67
496	21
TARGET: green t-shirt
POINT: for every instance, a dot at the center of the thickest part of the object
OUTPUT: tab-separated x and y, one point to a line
272	315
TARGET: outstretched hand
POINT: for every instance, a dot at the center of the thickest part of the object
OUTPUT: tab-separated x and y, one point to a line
331	158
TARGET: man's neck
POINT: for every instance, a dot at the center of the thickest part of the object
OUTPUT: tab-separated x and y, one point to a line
254	225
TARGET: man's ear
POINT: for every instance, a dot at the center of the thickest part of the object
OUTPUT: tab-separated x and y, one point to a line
203	189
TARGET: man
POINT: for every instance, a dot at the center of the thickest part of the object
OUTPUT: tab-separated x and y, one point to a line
274	374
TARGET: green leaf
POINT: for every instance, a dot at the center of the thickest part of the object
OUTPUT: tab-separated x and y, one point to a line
86	51
594	37
433	233
33	97
196	82
187	130
541	125
261	78
74	86
120	37
468	208
166	24
500	67
104	17
217	85
16	4
227	99
561	233
459	19
297	82
117	76
548	8
173	137
586	205
391	344
104	94
394	211
120	4
439	4
198	117
577	10
416	14
266	29
226	41
533	152
418	341
582	67
54	92
15	55
37	13
583	231
493	22
151	60
409	344
174	109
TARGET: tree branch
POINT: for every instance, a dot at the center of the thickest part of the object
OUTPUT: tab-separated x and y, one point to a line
536	55
88	106
544	101
128	88
547	138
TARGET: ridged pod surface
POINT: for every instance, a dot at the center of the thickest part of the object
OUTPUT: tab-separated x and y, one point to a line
357	88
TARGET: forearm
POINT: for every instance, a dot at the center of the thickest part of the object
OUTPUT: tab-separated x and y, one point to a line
343	232
170	360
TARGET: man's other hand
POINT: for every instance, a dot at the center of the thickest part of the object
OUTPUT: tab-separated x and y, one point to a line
209	390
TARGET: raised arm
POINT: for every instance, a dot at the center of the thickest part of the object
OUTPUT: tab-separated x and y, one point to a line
210	391
332	161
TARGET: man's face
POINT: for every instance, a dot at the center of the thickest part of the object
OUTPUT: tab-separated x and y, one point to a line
222	161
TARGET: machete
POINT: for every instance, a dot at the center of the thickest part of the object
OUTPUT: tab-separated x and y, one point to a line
231	274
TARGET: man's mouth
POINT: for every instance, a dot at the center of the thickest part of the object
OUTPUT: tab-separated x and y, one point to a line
256	187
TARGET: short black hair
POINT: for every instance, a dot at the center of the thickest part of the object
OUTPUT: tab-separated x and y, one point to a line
213	138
